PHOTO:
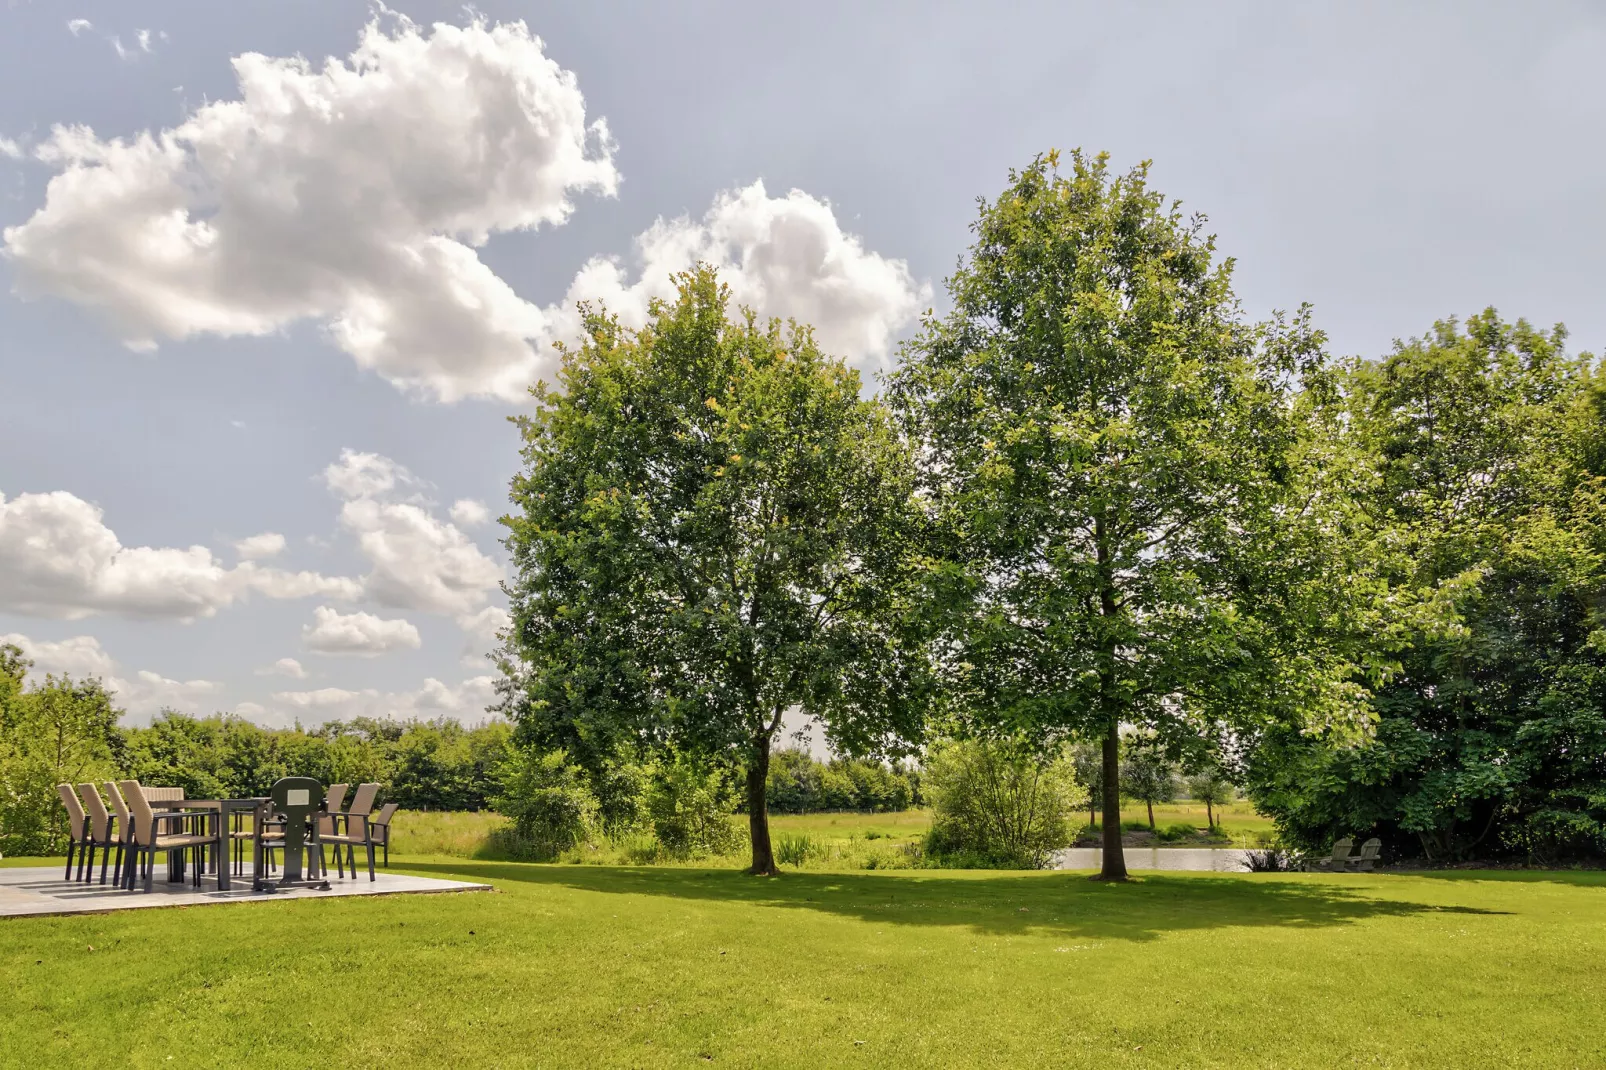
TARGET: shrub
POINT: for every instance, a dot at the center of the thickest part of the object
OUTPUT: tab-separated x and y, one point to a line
1273	859
999	804
546	798
690	807
1174	833
795	850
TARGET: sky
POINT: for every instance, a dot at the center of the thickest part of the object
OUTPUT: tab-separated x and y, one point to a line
274	273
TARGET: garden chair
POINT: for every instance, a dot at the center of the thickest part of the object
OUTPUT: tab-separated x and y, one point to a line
149	838
333	799
99	834
1367	858
125	828
355	830
1340	855
75	825
381	827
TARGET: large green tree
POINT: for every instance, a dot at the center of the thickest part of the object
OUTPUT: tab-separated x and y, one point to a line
711	527
1128	480
1482	443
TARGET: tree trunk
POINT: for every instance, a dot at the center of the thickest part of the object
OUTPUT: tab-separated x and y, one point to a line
1210	816
758	815
1150	803
1114	859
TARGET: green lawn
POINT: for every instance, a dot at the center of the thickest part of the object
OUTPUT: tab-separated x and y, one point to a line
673	966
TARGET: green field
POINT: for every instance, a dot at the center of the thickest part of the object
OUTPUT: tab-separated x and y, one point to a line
677	966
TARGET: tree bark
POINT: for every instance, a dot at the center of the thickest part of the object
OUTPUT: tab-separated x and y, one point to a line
1150	803
758	816
1114	859
1210	816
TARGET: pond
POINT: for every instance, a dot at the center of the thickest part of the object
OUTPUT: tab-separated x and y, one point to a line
1203	859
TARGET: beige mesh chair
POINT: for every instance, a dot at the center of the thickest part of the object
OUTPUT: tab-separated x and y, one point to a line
355	830
333	799
149	839
99	833
125	827
381	827
75	825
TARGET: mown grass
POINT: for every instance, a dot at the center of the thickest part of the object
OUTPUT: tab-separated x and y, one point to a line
675	966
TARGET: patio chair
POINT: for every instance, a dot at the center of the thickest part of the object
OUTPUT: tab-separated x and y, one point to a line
239	837
333	799
1340	855
1364	861
381	827
99	834
355	830
149	839
125	828
75	825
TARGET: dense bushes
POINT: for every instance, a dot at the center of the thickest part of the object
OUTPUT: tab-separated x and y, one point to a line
65	730
999	805
798	784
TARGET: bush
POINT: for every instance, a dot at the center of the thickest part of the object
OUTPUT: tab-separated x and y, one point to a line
546	798
1275	859
1175	833
999	804
795	850
798	784
690	807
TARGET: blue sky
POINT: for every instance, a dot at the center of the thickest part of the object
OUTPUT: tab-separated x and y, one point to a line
245	297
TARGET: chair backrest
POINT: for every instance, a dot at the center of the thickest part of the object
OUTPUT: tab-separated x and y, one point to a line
139	808
124	828
382	822
100	820
153	794
1370	849
1341	849
75	810
332	802
362	803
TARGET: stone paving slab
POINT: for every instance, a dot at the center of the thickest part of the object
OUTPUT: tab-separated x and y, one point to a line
40	892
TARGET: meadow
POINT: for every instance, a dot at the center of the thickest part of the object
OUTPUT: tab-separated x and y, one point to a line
689	965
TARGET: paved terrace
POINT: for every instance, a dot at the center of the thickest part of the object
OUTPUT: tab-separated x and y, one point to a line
43	892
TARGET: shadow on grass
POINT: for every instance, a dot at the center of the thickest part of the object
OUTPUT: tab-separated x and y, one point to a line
1000	904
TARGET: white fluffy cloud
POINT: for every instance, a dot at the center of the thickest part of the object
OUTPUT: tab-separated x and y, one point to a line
419	560
353	194
469	513
10	149
59	559
284	667
786	257
80	655
486	623
361	634
466	701
268	544
142	694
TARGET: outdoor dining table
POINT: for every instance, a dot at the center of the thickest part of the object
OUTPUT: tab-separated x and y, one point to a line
224	809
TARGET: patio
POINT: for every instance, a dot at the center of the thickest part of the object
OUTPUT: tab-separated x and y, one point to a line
42	891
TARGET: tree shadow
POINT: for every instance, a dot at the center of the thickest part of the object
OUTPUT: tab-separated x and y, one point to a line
1578	878
1064	903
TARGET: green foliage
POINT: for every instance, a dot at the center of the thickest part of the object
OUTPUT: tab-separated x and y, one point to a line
999	804
795	850
59	731
709	528
1130	486
689	806
798	784
1482	450
1211	787
1147	775
546	798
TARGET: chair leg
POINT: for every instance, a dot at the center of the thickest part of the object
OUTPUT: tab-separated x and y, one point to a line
371	875
150	869
387	848
67	874
106	857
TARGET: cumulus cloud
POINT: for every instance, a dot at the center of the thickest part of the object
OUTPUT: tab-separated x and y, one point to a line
352	194
467	701
80	655
361	634
59	559
78	26
142	694
284	667
469	513
786	257
10	149
419	560
256	547
486	623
